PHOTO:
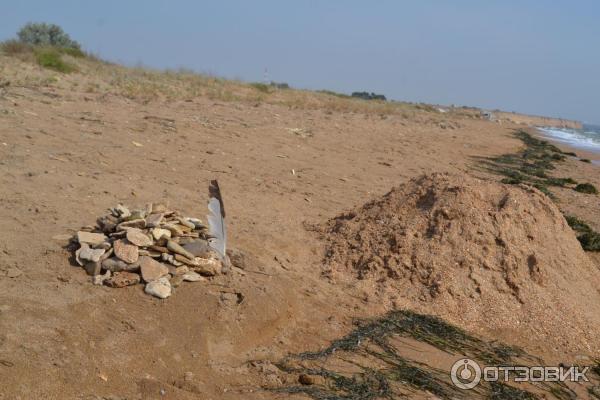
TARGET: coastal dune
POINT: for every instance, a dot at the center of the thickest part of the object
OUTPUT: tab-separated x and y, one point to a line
534	120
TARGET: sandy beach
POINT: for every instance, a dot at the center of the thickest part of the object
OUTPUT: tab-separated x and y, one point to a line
74	145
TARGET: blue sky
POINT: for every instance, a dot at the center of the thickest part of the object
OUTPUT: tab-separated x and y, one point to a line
538	57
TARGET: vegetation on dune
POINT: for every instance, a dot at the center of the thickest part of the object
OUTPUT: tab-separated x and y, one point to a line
336	94
368	96
261	87
49	57
43	34
45	44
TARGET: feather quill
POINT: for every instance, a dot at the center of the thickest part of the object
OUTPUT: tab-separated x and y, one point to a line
216	220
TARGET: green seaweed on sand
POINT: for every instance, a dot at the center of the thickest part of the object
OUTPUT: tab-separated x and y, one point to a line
501	391
367	362
589	239
530	166
586	188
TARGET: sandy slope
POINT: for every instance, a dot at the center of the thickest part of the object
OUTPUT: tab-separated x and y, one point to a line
67	154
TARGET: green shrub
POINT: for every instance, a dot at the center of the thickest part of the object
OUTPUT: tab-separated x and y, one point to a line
369	96
42	34
586	188
78	53
51	58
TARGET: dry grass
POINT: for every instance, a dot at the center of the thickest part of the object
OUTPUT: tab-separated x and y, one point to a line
147	85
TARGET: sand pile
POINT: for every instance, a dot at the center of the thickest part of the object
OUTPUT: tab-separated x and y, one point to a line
487	256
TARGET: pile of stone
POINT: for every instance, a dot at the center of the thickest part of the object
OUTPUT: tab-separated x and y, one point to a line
154	245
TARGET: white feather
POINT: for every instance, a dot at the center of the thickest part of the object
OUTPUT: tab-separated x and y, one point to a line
217	228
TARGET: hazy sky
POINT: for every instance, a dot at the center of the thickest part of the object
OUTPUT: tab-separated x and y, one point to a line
539	57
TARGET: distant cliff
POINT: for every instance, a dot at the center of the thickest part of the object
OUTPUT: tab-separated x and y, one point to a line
534	120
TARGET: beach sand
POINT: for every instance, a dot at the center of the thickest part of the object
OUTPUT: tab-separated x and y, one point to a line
68	153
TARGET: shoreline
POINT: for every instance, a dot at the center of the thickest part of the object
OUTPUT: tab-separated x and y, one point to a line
582	151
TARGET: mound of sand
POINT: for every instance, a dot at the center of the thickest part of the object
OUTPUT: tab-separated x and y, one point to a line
493	258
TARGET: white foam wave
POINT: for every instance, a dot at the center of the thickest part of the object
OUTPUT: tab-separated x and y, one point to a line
588	140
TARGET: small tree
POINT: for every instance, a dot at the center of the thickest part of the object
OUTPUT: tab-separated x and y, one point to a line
42	34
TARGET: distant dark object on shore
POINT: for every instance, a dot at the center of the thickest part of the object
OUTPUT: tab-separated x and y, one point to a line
369	96
280	85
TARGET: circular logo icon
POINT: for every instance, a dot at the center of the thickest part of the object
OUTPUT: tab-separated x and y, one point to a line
465	374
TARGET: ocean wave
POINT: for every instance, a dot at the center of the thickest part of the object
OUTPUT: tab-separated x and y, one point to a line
584	139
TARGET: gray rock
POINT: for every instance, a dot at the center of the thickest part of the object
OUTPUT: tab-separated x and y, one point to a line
136	214
107	223
160	288
154	220
87	254
176	248
207	266
198	248
158	233
197	223
92	268
81	248
103	245
138	237
121	211
177	271
175	231
186	223
181	270
113	264
192	276
151	269
99	279
90	237
135	223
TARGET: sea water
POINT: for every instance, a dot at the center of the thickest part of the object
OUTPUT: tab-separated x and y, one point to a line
587	138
